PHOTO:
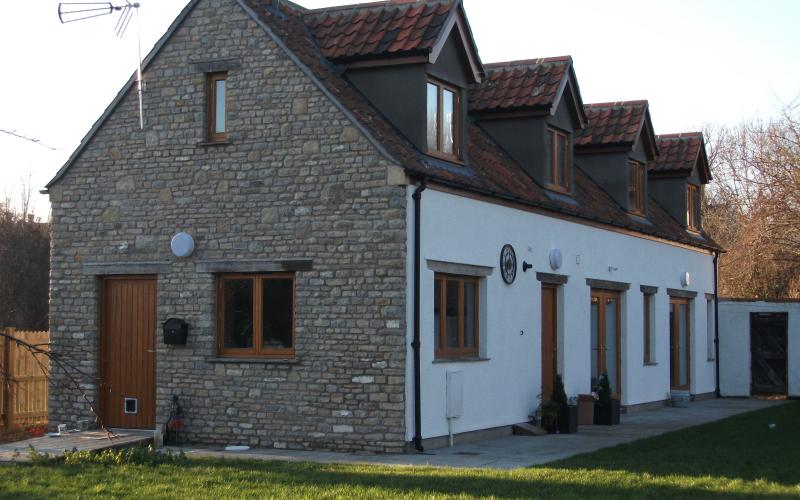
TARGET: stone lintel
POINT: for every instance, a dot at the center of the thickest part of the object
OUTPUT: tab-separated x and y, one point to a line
253	266
608	285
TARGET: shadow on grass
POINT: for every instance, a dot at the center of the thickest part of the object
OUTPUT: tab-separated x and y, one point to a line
208	478
726	458
743	447
309	479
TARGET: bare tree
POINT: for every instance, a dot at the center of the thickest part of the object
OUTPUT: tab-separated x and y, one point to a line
753	207
24	265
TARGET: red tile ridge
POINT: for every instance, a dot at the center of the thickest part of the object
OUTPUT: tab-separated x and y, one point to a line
681	135
527	62
615	104
371	5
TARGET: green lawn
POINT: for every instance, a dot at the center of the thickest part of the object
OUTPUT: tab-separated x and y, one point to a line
737	457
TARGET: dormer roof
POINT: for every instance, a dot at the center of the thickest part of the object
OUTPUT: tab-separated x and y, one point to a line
617	125
680	154
393	29
530	84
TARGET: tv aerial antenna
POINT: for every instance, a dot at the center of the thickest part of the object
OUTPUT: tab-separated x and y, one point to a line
69	12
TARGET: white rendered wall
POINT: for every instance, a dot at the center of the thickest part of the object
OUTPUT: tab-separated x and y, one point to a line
734	344
503	390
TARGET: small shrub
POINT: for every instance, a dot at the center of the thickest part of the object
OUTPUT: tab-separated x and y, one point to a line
604	389
559	396
139	455
40	458
136	455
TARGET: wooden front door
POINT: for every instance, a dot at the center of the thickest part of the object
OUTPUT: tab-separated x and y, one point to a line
680	335
549	340
128	352
605	338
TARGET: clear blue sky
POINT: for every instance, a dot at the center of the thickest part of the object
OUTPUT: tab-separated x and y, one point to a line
697	61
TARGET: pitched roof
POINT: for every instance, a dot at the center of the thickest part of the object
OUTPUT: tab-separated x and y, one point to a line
680	153
490	171
520	84
380	28
616	124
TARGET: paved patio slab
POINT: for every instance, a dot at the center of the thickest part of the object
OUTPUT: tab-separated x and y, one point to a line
522	451
82	441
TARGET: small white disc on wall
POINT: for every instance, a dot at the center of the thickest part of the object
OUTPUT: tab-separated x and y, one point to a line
555	259
182	245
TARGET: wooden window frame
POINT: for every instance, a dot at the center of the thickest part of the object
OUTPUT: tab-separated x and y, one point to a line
257	351
636	187
211	111
444	352
693	207
647	313
440	88
552	136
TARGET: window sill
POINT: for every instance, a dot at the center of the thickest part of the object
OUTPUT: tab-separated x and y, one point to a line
206	144
460	360
556	188
457	160
256	361
651	363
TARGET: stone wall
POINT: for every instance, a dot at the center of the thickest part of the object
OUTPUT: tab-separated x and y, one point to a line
297	181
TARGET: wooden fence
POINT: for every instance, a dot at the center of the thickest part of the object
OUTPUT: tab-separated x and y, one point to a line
24	379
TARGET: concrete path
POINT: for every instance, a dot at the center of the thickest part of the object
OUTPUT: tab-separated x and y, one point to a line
86	440
523	451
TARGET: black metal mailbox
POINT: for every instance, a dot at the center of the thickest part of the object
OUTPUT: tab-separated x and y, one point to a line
175	331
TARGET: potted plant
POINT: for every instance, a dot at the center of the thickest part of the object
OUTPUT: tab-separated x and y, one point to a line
549	413
567	413
606	410
546	415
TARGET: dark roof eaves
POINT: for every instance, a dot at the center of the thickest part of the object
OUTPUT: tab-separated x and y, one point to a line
451	22
572	81
646	126
432	178
121	94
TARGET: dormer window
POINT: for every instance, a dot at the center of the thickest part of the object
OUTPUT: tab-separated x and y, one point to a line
693	207
443	118
559	159
636	187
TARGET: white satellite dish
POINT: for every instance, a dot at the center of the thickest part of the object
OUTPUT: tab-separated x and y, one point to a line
182	245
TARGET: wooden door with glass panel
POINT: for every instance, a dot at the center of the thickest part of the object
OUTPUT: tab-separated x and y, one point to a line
549	339
680	335
605	338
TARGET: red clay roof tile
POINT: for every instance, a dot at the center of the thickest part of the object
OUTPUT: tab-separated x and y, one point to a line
612	123
677	152
369	30
520	84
